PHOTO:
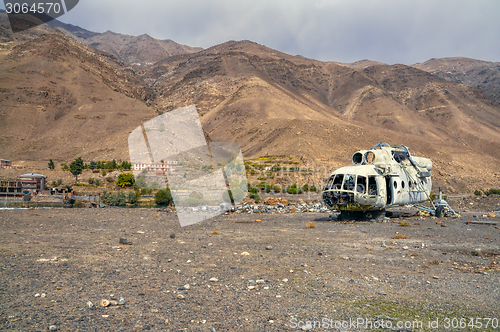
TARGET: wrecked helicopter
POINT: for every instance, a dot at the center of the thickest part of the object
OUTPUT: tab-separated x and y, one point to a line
382	177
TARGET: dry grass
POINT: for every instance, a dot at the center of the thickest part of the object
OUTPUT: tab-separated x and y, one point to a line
399	236
215	232
404	224
311	224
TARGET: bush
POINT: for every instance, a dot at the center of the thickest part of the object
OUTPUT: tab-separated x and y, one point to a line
110	179
97	182
112	199
132	198
125	180
78	204
253	190
91	181
477	192
492	192
104	173
277	189
313	188
164	197
255	197
146	191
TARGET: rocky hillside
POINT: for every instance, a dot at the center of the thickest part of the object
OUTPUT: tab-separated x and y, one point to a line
134	51
61	98
271	103
482	74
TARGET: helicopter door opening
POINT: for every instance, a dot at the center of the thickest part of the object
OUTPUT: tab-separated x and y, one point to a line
388	189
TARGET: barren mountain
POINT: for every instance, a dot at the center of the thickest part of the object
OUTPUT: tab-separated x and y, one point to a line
272	103
61	99
481	74
58	101
134	51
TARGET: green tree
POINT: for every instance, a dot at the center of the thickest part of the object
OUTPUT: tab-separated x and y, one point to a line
76	167
51	164
118	199
93	165
132	198
164	197
125	180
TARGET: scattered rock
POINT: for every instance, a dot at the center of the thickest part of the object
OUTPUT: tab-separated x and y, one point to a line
383	245
90	304
382	293
124	241
52	328
435	277
491	215
269	248
105	303
245	253
180	297
172	236
214	279
121	301
37	295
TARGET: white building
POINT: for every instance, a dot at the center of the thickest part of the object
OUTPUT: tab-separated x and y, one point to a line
167	166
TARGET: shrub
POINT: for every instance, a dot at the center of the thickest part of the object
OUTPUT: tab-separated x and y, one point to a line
104	173
311	224
112	199
132	198
78	204
253	190
91	181
313	188
125	180
163	197
277	189
493	192
97	182
477	192
146	191
110	179
255	197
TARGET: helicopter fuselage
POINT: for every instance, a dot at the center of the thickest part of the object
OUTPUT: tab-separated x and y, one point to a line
379	178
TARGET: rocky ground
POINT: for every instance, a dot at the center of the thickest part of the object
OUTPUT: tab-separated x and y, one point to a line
244	272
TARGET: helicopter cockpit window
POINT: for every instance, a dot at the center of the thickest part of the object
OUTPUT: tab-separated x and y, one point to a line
349	182
329	183
372	186
337	182
361	184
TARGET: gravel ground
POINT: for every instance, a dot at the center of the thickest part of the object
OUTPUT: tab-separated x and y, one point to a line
241	272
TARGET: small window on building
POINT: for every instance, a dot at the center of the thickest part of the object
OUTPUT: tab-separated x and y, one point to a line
395	185
402	184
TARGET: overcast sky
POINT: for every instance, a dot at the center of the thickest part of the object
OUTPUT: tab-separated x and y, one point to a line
394	31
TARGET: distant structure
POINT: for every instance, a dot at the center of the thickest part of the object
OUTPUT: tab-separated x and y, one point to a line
26	184
32	182
167	166
4	163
